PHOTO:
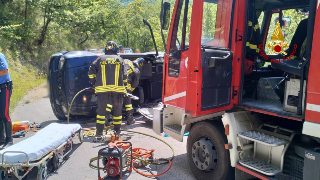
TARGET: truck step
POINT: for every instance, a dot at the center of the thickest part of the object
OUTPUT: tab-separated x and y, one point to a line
260	166
174	128
263	138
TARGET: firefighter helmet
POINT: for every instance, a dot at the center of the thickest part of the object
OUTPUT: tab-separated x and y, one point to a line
111	48
139	62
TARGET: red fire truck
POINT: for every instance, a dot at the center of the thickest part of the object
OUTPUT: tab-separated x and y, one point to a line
241	77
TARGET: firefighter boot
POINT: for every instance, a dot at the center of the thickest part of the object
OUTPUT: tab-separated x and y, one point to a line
99	129
116	128
130	119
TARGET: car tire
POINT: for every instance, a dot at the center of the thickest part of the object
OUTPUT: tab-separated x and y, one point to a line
57	111
219	167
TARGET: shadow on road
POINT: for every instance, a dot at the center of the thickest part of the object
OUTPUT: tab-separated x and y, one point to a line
74	148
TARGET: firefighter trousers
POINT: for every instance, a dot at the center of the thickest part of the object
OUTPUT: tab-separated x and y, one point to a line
108	102
5	123
127	102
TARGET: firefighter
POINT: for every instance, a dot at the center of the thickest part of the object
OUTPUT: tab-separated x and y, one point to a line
133	74
5	94
109	78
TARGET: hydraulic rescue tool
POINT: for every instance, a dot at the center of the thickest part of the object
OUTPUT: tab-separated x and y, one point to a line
116	156
110	136
136	157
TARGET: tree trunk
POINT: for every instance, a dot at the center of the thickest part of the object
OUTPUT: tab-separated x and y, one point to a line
44	32
46	22
127	41
87	37
26	10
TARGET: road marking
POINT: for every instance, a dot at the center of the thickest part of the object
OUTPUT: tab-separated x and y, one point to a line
175	96
313	107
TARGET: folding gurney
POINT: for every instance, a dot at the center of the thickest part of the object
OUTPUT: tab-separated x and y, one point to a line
46	148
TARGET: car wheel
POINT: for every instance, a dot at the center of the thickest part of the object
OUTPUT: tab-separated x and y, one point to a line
207	156
57	111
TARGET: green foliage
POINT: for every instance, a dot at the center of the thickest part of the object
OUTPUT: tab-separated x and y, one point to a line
24	76
31	31
37	29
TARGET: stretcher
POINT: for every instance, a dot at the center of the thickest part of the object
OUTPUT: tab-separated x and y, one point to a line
41	154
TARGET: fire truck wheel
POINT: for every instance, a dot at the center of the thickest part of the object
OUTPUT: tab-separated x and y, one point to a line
207	156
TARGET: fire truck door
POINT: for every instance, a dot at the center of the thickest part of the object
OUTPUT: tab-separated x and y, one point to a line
216	78
214	75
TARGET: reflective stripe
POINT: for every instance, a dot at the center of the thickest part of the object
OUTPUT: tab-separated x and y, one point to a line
129	87
92	76
107	109
249	23
125	81
110	88
109	105
116	75
100	122
128	105
103	73
256	27
129	109
129	71
313	107
101	117
117	117
117	122
175	96
253	47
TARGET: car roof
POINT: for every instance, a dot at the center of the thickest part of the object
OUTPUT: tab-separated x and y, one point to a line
76	54
60	53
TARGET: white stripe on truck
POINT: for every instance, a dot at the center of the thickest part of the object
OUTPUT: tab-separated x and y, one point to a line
313	107
175	96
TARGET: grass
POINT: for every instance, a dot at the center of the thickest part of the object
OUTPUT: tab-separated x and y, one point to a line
24	78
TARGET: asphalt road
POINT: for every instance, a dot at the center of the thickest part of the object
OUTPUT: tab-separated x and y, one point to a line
35	107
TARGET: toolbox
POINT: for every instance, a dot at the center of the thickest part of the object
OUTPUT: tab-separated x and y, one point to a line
20	127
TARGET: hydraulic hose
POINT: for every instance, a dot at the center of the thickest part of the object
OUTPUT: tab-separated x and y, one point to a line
74	97
165	161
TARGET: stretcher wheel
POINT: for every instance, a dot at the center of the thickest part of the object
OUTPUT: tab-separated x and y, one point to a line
42	174
4	174
80	136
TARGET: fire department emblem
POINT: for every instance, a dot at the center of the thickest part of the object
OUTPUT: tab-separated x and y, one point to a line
276	45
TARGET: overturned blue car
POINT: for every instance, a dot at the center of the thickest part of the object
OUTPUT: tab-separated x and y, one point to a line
68	74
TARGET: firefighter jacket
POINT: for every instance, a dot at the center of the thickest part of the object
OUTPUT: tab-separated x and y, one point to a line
254	38
107	74
133	74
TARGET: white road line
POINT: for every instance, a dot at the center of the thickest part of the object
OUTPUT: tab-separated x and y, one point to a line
175	96
313	107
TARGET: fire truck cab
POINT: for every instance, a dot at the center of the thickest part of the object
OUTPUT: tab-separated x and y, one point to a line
241	77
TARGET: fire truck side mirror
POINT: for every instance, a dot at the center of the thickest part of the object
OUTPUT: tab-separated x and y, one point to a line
165	16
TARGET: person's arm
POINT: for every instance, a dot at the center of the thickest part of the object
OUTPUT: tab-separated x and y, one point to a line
3	72
93	71
3	65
